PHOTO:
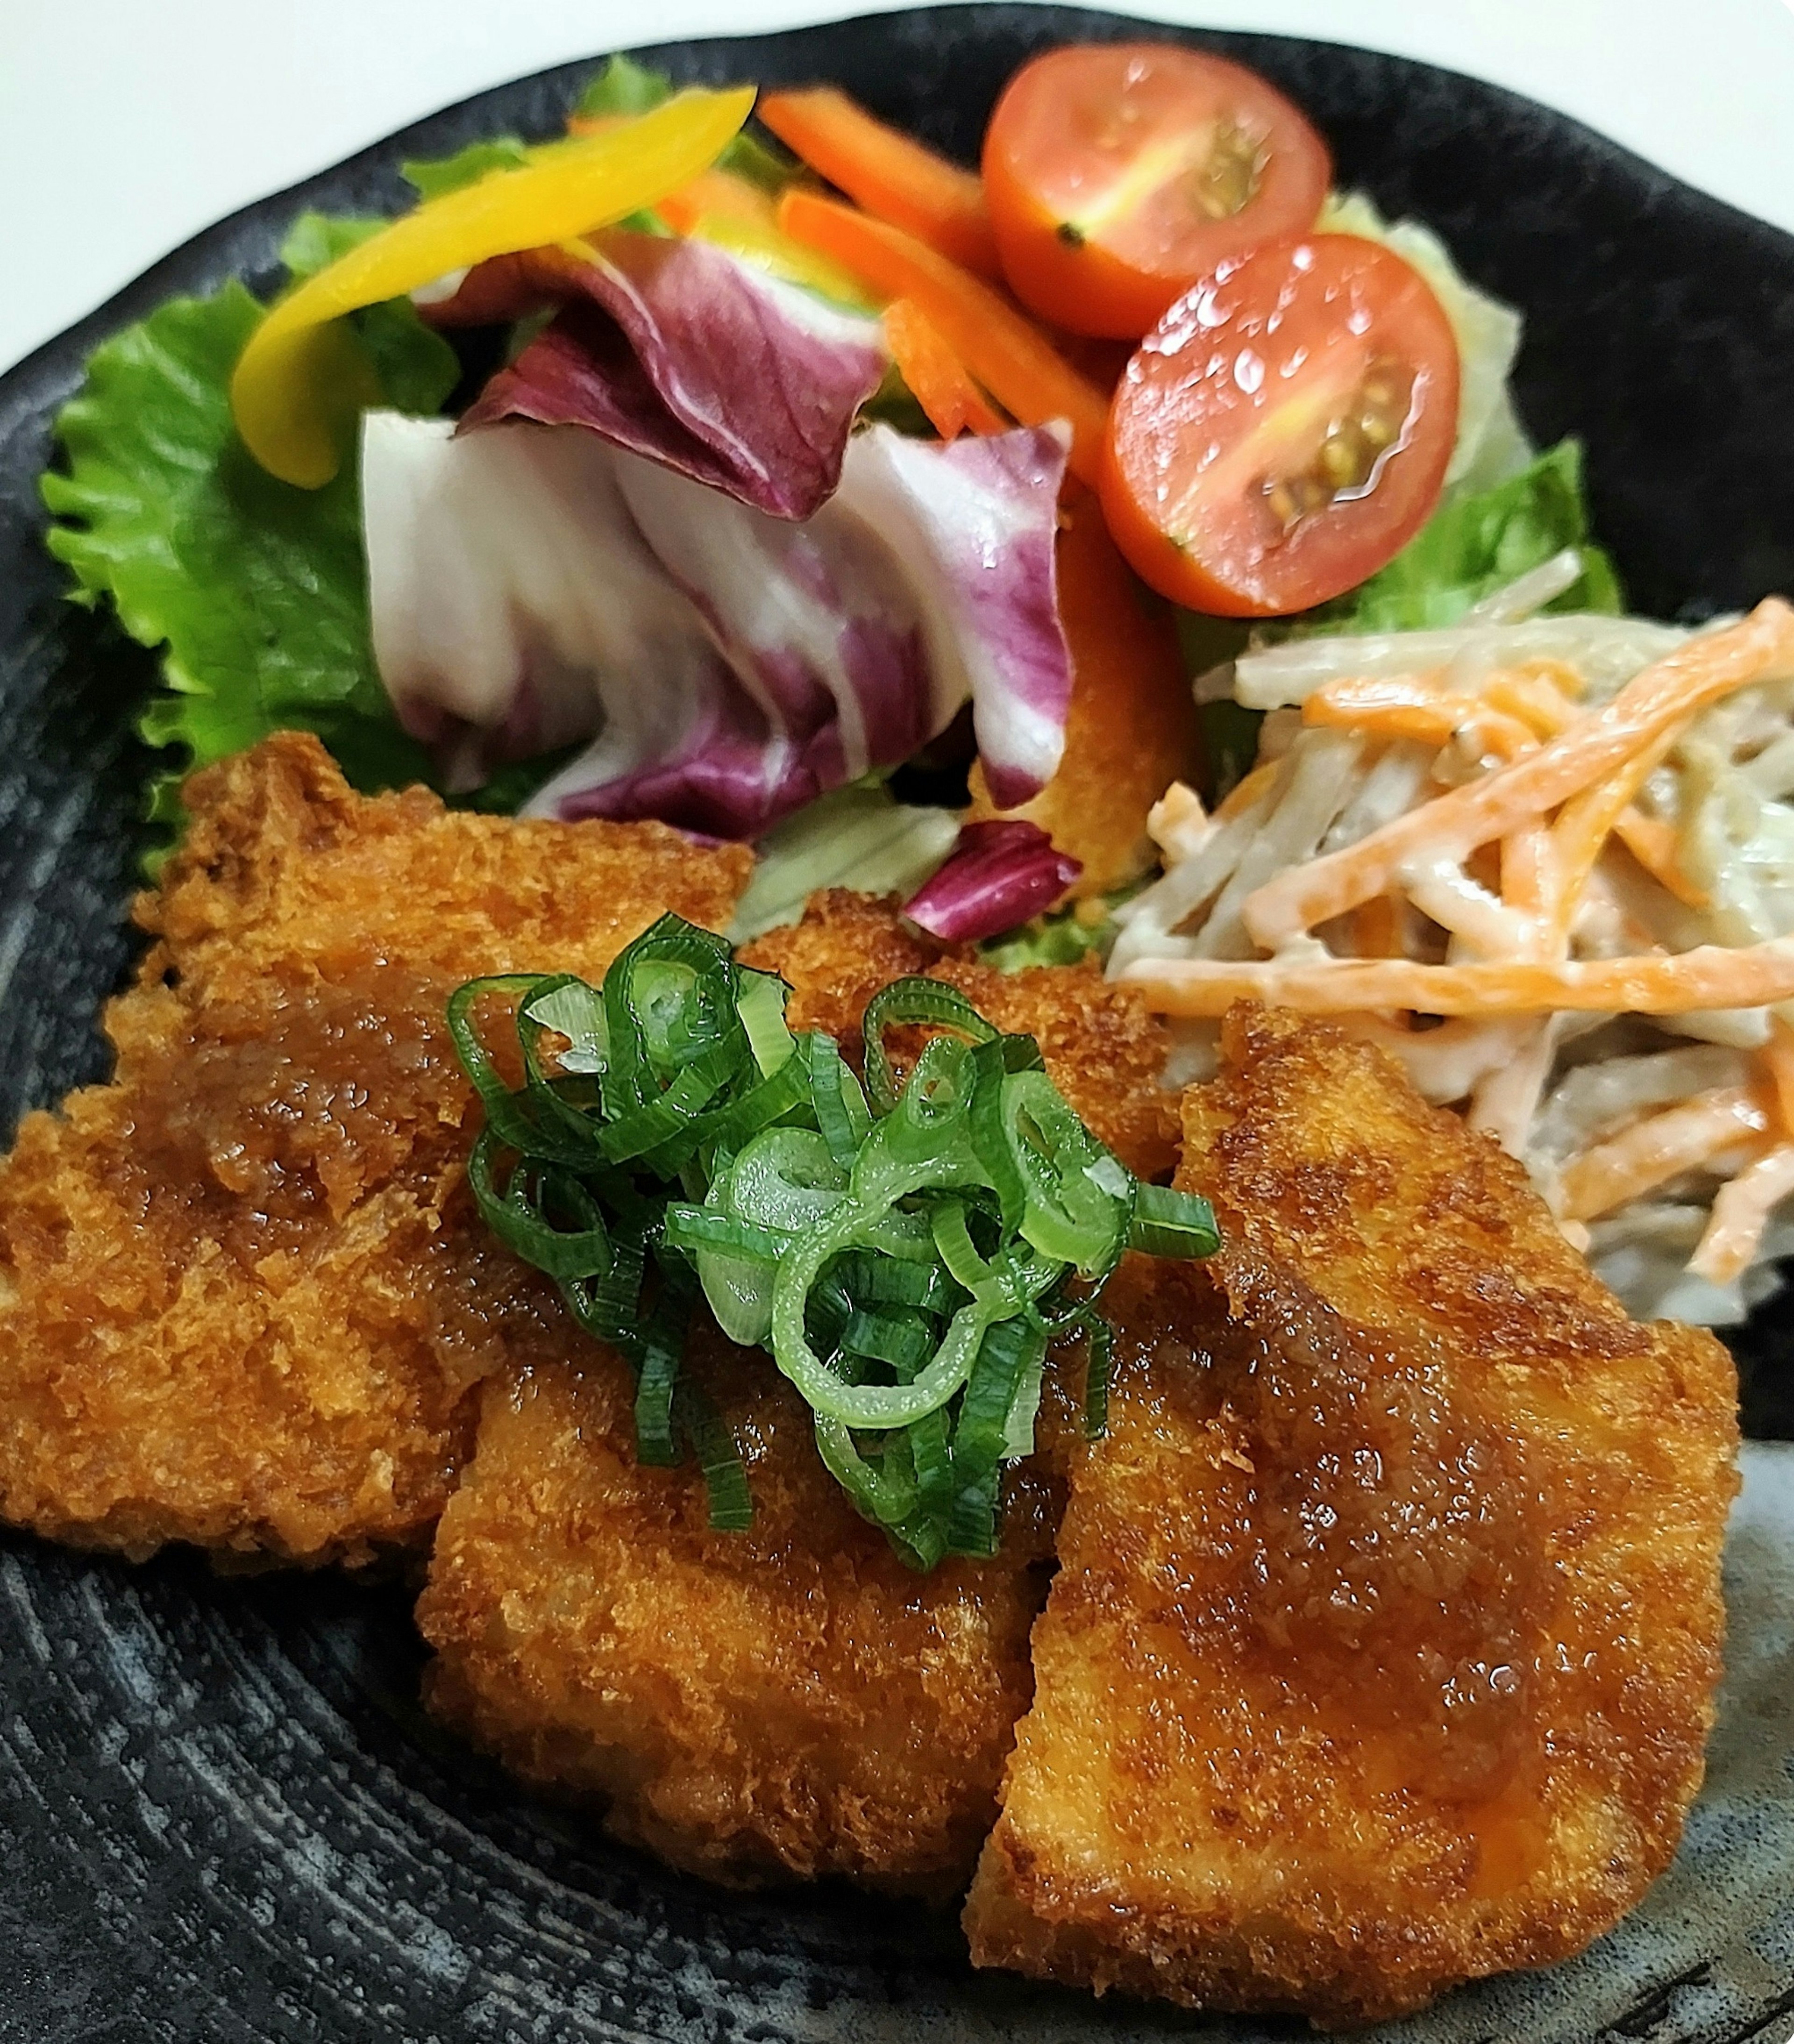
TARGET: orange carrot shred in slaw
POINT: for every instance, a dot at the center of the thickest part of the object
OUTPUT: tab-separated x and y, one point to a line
1778	1056
1698	672
1660	1147
1741	1208
1394	708
1661	983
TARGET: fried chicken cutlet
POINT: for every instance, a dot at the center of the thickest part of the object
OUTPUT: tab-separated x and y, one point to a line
244	1299
793	1700
790	1701
1383	1647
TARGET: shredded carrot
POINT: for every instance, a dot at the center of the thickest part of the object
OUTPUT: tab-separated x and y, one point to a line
1586	822
1540	693
1596	745
715	194
1660	1147
1653	843
1778	1055
1009	356
1711	976
936	375
1741	1211
1244	794
890	173
1395	707
1528	871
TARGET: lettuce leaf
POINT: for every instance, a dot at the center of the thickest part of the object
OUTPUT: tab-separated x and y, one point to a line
432	177
1474	545
625	87
255	591
860	836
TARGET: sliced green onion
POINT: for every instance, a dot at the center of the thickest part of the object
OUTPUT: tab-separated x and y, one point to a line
910	1001
760	1000
577	1011
907	1259
1168	1223
719	1459
1096	1376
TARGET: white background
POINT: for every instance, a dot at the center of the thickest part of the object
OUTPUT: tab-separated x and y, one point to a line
127	126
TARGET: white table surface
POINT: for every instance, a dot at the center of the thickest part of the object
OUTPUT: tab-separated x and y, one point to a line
127	126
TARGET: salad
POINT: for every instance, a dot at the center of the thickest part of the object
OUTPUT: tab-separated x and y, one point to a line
1130	549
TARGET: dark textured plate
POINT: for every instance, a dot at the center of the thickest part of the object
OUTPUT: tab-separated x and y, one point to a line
225	1818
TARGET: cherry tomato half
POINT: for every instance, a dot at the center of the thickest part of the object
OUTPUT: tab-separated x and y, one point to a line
1285	430
1117	174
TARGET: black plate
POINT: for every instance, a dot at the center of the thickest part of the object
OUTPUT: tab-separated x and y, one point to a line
225	1817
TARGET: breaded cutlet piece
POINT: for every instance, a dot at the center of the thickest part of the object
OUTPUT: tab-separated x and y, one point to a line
244	1296
786	1702
794	1700
1104	1048
1383	1648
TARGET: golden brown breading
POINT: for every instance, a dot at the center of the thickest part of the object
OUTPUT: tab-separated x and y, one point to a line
790	1701
794	1701
243	1305
1383	1647
1105	1049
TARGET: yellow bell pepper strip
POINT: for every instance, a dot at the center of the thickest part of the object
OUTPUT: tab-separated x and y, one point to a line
769	249
288	393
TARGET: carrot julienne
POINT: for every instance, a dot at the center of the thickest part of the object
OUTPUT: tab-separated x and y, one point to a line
1010	358
1778	1056
890	174
1660	1147
1741	1211
1391	708
937	377
1663	983
1663	696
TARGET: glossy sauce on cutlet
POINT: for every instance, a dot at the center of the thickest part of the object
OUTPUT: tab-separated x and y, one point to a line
292	1103
1380	1550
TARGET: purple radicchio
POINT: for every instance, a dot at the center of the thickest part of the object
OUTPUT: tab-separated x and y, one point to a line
678	350
997	875
535	586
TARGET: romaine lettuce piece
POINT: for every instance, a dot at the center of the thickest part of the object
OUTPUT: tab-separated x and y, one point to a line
532	586
861	837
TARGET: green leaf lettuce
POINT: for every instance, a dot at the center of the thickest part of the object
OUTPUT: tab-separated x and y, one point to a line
1474	545
254	591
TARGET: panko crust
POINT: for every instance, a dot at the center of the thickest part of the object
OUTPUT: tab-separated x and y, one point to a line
1383	1649
791	1702
1103	1047
244	1297
786	1703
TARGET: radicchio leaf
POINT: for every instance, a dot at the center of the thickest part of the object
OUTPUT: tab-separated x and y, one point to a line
535	587
677	349
997	875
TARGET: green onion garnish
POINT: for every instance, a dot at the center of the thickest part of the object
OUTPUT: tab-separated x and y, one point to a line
906	1258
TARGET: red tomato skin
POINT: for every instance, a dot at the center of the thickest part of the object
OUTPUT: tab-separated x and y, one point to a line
1092	288
1205	379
